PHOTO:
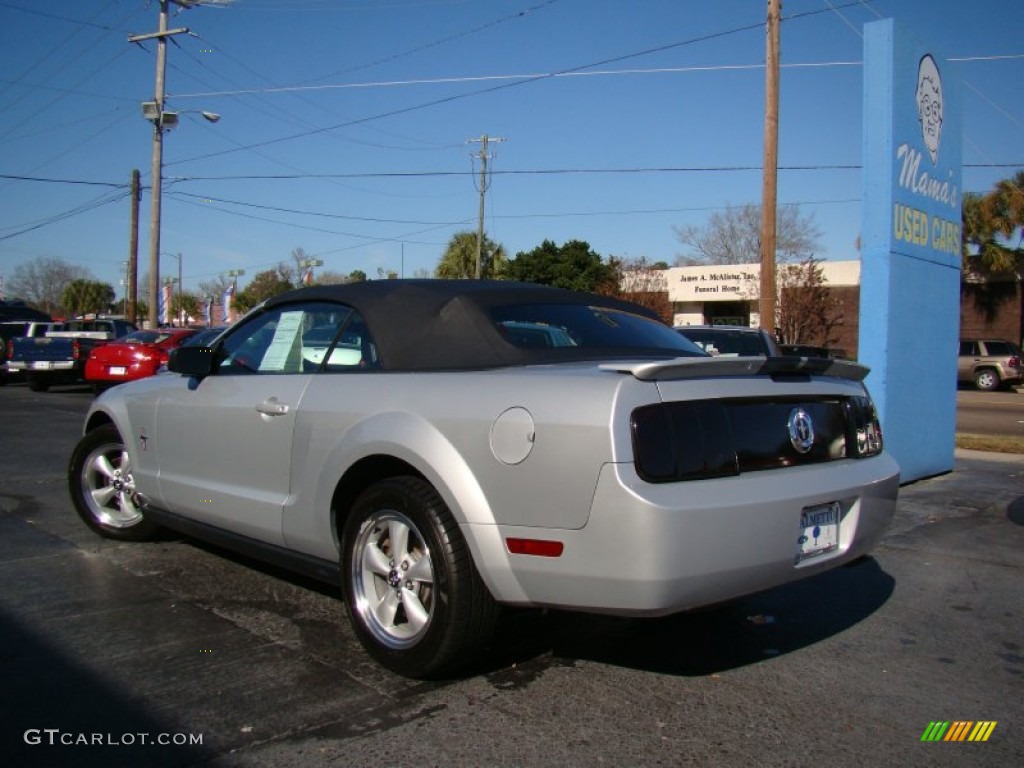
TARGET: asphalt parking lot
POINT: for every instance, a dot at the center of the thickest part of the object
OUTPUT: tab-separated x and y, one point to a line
172	653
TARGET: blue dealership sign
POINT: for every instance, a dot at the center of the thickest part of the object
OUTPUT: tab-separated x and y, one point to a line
911	245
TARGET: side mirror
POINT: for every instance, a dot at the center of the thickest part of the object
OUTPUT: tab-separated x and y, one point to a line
192	361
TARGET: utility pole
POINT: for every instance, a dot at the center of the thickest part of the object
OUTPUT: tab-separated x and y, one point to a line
484	157
157	116
769	189
132	287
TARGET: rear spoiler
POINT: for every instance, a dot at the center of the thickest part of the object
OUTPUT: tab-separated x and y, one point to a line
712	367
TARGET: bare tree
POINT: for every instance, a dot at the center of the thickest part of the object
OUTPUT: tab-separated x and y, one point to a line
733	236
642	283
214	287
330	277
42	282
808	312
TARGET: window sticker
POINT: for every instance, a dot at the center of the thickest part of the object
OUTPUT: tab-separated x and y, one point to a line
284	355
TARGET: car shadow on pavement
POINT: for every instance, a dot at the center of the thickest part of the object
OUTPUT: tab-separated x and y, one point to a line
56	712
697	643
1015	511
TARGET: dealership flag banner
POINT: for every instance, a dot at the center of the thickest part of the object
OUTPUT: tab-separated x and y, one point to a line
229	294
165	304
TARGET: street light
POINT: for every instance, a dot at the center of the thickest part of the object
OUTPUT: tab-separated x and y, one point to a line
162	121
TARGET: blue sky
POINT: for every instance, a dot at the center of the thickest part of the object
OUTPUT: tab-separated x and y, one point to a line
346	123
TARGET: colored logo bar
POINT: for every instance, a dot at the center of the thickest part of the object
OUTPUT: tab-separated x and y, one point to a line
958	730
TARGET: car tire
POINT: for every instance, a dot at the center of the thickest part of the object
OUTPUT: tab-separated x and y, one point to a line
421	614
986	380
103	490
36	384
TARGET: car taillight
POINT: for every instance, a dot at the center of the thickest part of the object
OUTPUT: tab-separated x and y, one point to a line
75	349
10	349
683	441
1015	362
864	429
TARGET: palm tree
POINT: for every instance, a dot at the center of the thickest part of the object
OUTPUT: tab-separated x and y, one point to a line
459	259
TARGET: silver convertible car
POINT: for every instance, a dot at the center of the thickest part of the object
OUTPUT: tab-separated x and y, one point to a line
443	448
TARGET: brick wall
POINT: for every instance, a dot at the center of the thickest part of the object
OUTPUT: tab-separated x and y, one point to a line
992	309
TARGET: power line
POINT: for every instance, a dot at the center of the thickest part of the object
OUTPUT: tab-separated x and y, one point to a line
441	174
492	89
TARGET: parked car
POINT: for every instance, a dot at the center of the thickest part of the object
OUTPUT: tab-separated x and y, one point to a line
989	363
439	466
15	309
811	350
59	356
135	356
731	340
16	329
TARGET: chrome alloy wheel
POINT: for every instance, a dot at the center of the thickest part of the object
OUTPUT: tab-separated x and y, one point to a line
393	579
108	487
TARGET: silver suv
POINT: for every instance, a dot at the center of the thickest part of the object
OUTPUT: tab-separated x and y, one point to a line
989	363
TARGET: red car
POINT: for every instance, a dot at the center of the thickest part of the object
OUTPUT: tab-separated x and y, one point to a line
135	356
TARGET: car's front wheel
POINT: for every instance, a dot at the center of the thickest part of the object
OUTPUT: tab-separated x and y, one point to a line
411	589
986	379
103	489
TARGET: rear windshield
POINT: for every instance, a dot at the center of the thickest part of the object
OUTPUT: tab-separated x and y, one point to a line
582	327
728	342
145	337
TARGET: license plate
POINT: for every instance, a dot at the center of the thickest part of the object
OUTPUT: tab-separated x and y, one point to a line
117	370
819	530
42	365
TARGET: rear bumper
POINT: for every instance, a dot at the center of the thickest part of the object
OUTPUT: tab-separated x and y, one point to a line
651	550
40	366
96	371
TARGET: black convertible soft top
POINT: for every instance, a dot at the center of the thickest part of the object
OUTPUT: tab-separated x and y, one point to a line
447	324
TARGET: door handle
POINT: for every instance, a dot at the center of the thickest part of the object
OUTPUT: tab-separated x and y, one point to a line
270	407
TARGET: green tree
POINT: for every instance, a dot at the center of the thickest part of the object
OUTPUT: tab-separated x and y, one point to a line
573	265
185	305
263	285
991	224
459	259
84	296
356	276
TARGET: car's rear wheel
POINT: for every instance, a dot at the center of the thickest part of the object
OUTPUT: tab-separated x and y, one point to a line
412	592
986	379
103	489
36	384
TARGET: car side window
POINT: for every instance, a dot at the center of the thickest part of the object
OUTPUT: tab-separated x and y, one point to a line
968	348
354	349
298	338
